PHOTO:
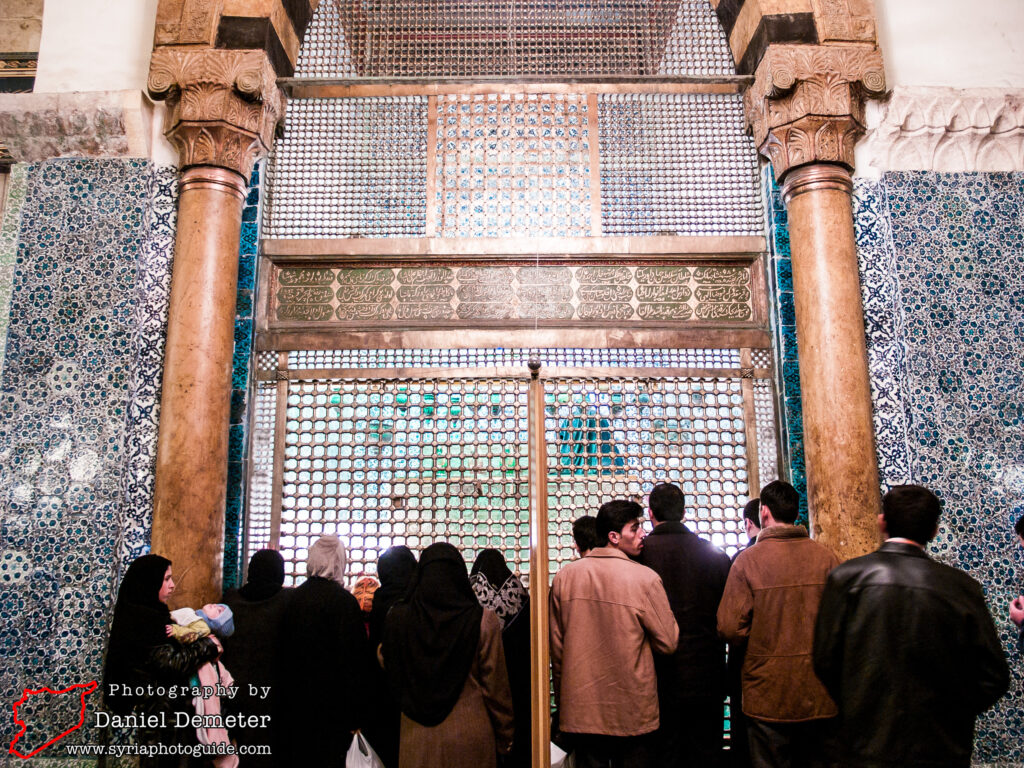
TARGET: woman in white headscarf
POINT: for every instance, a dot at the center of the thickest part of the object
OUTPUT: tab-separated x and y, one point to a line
321	663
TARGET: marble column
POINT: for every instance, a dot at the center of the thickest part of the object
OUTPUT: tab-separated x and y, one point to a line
192	450
223	108
839	436
806	110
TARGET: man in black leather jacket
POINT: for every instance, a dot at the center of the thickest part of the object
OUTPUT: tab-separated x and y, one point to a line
906	647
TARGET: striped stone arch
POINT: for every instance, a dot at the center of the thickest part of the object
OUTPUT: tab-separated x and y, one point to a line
813	63
753	25
278	26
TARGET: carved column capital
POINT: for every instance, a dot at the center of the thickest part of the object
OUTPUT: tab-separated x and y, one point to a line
224	106
807	102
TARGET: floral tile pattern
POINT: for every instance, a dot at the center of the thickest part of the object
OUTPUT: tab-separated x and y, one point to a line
152	293
77	413
942	258
885	326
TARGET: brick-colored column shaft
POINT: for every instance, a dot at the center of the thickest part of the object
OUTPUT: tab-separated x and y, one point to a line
839	436
192	452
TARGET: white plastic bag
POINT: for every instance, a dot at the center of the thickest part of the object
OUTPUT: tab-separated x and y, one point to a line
559	759
361	754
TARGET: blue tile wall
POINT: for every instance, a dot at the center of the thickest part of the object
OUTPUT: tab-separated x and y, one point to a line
241	376
783	322
942	261
78	401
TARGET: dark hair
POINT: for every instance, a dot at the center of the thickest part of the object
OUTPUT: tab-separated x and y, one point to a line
584	532
782	499
752	512
667	503
614	516
911	512
1019	527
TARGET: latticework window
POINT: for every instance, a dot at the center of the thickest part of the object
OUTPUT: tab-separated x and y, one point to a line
449	38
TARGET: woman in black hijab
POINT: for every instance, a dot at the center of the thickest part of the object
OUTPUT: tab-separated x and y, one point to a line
395	569
443	657
249	652
501	591
140	654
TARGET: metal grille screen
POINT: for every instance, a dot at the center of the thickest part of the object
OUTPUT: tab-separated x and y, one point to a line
433	445
382	462
515	165
446	38
674	164
616	437
350	168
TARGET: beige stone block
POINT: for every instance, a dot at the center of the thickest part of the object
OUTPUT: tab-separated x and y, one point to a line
845	20
20	35
22	9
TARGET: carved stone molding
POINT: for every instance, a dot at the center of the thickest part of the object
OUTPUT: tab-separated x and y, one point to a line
807	102
224	106
946	130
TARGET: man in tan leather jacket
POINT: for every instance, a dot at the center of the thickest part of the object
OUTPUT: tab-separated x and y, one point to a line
771	601
608	613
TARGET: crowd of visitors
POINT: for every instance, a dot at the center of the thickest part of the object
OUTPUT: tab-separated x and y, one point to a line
883	661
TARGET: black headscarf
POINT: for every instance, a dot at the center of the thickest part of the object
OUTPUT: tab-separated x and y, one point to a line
395	569
265	576
430	641
497	588
140	623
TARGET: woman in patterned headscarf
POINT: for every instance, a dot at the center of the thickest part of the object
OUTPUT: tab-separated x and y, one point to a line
499	590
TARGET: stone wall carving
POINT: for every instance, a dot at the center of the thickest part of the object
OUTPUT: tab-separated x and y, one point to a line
947	130
186	21
224	106
41	126
847	20
807	102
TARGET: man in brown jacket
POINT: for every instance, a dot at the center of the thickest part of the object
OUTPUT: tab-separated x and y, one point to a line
607	615
771	601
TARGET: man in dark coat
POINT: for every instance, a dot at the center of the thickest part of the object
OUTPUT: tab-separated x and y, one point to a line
906	647
691	681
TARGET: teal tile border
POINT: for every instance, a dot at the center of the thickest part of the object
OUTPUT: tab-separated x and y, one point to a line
9	228
241	384
783	324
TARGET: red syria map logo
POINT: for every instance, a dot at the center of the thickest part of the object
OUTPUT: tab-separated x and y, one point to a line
84	690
